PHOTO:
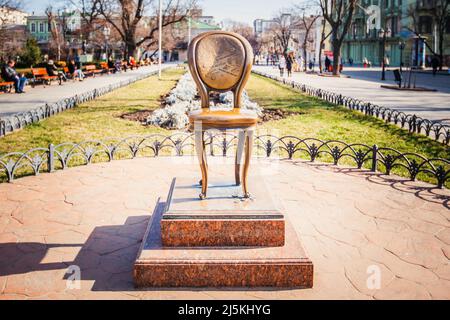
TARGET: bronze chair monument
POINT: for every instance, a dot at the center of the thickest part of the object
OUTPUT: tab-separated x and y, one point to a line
222	61
220	241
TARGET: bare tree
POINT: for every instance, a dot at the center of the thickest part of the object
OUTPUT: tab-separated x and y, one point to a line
90	15
413	13
323	38
439	11
126	16
338	14
247	32
441	16
283	29
13	4
11	41
57	27
308	17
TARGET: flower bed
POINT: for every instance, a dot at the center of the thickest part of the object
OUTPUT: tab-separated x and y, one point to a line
184	98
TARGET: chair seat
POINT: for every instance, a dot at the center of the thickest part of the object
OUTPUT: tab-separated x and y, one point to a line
234	119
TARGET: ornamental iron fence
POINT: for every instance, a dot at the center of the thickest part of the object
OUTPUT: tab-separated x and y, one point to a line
413	123
385	160
20	120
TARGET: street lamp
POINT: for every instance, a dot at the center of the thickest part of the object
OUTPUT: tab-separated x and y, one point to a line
383	35
401	46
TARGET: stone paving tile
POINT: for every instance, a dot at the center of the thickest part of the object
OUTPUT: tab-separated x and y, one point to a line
350	222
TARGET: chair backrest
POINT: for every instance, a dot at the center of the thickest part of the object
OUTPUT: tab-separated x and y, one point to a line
39	72
220	61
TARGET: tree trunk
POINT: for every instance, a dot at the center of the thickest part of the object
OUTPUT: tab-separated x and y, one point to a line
441	50
322	41
304	57
336	56
130	43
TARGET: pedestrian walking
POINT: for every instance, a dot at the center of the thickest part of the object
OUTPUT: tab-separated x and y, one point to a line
365	62
327	63
282	65
289	63
435	64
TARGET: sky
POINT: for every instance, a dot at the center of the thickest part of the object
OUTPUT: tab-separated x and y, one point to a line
237	10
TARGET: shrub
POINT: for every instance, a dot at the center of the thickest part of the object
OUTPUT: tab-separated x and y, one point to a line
31	54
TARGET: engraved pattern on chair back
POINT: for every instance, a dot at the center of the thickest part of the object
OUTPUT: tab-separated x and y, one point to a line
220	61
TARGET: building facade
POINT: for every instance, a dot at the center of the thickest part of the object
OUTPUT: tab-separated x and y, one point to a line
13	33
10	16
407	24
39	28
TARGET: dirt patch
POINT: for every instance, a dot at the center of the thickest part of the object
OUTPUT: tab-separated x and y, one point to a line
268	115
140	116
277	114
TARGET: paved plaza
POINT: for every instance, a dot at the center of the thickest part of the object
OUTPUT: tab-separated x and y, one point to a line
352	223
11	104
364	84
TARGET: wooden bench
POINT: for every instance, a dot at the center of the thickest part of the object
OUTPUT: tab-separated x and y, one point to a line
105	67
91	70
6	86
41	75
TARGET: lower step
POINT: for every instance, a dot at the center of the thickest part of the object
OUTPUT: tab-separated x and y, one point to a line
157	266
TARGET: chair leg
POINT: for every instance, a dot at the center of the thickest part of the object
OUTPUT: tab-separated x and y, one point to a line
238	160
248	156
199	146
204	155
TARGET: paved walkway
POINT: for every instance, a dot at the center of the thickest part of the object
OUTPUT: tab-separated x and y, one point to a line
350	222
14	103
365	85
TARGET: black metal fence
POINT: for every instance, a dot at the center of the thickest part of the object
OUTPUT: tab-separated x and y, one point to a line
410	122
385	160
20	120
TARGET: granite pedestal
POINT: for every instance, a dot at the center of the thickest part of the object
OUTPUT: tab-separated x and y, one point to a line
223	241
223	219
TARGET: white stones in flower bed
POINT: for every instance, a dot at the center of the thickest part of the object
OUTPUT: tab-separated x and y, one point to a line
183	99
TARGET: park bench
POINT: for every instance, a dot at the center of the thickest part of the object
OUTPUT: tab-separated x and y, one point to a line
67	72
41	75
105	67
5	86
91	70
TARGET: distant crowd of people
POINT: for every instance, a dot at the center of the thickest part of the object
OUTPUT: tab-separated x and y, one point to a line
71	70
288	63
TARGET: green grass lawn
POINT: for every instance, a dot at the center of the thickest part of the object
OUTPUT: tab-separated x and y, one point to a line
322	120
100	119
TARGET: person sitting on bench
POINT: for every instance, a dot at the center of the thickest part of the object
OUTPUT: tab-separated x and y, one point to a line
111	65
10	74
74	71
53	71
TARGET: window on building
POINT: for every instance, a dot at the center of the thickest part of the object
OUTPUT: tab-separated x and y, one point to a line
33	28
41	27
425	24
